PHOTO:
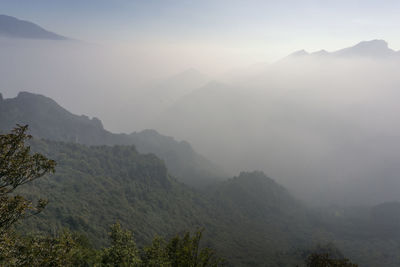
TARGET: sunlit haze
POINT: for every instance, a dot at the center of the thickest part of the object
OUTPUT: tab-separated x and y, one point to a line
215	36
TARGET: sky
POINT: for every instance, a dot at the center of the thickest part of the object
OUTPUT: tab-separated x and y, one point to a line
243	31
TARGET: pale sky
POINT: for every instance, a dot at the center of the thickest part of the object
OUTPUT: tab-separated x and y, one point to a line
245	30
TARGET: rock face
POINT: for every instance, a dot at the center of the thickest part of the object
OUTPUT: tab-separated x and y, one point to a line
16	28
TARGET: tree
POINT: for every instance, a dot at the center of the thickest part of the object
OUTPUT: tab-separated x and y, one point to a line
185	251
123	251
327	255
17	167
156	254
66	249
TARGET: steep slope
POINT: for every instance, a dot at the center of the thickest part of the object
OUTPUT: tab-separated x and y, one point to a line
48	120
250	219
16	28
96	186
185	164
274	220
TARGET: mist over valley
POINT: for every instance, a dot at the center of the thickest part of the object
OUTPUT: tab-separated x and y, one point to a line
277	156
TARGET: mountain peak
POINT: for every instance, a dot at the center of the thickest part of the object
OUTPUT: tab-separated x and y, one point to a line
366	49
373	44
27	96
299	53
373	48
321	52
15	28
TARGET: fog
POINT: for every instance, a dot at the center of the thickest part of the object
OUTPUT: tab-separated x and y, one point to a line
324	125
85	78
107	79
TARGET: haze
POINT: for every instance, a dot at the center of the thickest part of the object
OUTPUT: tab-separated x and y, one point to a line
217	74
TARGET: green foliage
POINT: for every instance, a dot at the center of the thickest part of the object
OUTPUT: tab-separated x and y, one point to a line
48	120
249	219
123	251
17	167
182	251
156	254
96	186
67	249
72	249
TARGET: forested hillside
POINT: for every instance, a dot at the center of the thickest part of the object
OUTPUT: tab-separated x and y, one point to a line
95	186
250	219
19	166
48	120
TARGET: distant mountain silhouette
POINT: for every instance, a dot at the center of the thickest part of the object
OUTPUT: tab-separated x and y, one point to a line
371	49
374	48
173	88
299	53
16	28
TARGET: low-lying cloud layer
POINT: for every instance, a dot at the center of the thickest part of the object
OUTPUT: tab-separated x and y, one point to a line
324	124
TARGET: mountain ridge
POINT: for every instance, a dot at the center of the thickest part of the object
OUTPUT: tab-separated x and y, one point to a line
17	28
375	48
48	120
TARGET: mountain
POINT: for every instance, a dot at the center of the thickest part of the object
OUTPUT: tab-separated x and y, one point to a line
255	202
152	99
95	186
372	49
303	120
298	53
16	28
48	120
300	60
183	162
251	220
364	49
180	84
